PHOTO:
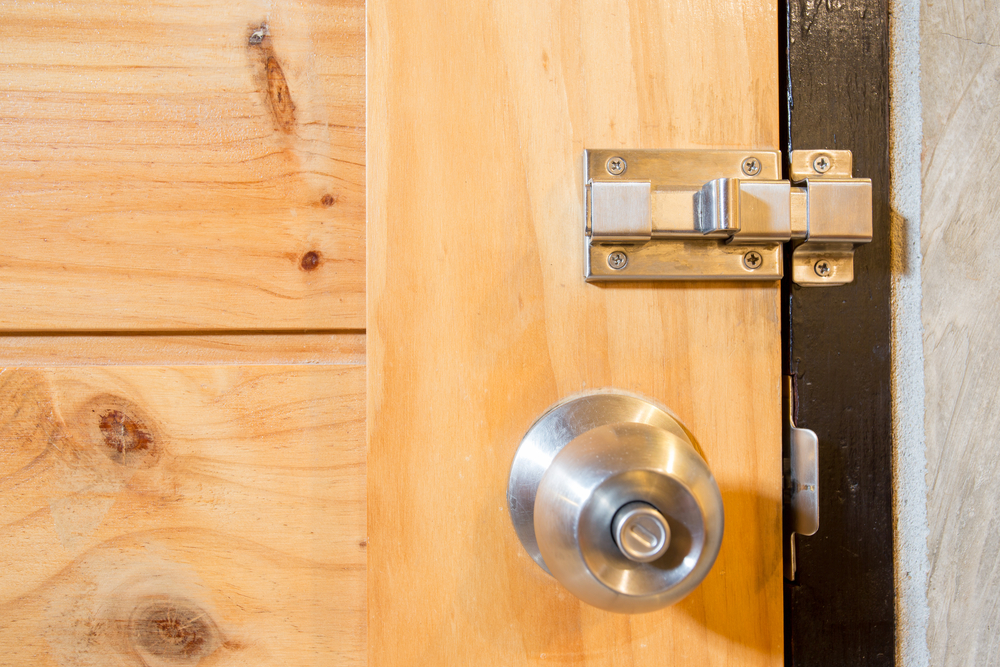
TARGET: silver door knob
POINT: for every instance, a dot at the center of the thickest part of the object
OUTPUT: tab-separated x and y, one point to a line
608	494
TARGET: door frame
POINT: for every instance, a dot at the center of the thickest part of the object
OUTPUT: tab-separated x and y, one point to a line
840	607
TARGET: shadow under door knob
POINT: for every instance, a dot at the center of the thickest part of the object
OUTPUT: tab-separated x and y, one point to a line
609	495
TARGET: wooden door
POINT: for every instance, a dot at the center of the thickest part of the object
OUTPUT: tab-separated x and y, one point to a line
188	370
479	318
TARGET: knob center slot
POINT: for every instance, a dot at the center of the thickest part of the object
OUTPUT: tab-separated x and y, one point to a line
641	532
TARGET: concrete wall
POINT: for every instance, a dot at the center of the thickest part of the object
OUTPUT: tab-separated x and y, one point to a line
960	314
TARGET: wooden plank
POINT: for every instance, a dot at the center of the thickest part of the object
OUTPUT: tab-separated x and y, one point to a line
184	350
164	168
960	59
166	516
840	353
479	318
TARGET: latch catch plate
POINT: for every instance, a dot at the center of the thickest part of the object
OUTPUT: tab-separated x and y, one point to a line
801	475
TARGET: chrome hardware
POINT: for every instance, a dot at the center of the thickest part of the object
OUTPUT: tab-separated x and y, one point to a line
752	260
810	164
801	480
616	165
821	164
608	493
641	532
751	166
695	215
617	260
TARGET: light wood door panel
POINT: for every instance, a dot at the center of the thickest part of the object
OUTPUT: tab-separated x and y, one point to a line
170	515
479	318
166	169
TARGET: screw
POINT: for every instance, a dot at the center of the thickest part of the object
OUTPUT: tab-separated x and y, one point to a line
822	164
617	260
616	166
822	268
752	260
751	166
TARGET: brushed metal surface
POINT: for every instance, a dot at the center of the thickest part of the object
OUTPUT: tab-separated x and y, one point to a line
802	164
620	211
585	460
684	260
681	167
641	532
694	215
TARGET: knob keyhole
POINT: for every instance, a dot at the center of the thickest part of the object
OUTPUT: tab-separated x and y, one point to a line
641	532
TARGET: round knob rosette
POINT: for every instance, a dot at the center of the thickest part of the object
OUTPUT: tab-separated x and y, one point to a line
609	495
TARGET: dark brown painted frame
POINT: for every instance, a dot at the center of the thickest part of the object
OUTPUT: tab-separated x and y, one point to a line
840	608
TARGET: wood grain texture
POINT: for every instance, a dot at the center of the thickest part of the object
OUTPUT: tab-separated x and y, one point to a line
182	350
960	81
479	318
158	516
174	165
841	606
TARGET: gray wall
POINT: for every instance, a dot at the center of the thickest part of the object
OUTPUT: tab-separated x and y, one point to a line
960	244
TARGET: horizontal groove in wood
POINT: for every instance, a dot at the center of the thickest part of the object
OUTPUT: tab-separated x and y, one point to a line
191	349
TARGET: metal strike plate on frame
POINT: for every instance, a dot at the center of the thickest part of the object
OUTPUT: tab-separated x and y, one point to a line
723	215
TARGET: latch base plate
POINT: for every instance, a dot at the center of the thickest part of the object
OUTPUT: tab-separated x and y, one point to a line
683	260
